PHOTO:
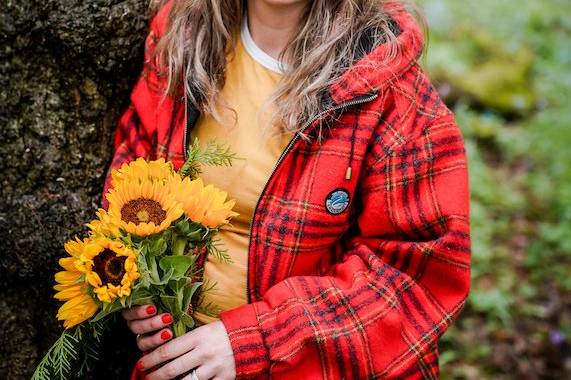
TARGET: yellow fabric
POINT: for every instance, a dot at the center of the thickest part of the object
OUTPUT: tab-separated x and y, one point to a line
248	85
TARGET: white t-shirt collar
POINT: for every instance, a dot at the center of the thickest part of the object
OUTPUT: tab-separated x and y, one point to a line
256	53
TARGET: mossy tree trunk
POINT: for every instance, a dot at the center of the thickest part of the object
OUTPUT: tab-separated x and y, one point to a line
66	70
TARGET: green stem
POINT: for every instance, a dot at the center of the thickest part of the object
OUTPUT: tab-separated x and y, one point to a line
179	246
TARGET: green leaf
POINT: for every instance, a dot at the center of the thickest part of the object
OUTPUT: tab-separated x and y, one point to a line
170	304
195	235
188	293
157	247
178	284
187	320
154	271
179	328
183	226
179	264
192	231
145	279
107	309
140	296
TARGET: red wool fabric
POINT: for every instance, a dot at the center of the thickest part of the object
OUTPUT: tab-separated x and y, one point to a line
365	293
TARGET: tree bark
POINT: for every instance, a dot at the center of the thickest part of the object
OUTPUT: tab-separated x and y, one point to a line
66	70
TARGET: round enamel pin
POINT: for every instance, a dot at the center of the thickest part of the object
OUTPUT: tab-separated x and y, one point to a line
337	201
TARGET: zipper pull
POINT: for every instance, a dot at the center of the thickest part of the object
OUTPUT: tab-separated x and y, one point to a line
348	173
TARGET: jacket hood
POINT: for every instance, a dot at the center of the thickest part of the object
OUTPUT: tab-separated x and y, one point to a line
373	72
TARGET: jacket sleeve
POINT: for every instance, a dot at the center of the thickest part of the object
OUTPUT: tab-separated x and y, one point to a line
136	131
403	279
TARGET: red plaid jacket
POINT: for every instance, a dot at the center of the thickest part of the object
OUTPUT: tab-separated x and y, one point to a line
349	276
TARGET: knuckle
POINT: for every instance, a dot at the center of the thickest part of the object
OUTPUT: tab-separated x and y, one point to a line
189	340
171	370
210	351
205	354
145	343
142	328
135	311
147	326
217	366
202	354
163	353
135	327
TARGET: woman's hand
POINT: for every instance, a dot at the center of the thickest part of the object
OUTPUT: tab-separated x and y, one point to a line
150	328
206	349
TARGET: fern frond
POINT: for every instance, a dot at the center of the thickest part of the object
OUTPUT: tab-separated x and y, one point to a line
90	347
212	154
216	250
60	357
80	342
65	353
209	309
42	372
207	286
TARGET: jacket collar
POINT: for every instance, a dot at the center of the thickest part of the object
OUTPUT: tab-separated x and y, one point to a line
371	73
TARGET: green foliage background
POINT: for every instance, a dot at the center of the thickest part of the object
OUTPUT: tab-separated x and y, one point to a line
504	67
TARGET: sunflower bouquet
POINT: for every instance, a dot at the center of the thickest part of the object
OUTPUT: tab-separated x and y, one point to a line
146	248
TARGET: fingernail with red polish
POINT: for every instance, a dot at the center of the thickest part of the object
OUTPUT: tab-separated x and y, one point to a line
151	309
166	335
139	365
167	318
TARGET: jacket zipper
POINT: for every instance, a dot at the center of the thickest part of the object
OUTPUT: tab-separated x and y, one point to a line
364	99
186	123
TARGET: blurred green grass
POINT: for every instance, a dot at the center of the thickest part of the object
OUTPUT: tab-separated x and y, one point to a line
504	67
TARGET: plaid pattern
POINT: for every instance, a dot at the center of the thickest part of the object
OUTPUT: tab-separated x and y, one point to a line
366	293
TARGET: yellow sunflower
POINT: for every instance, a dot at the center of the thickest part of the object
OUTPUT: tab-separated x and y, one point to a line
206	205
142	201
71	287
157	170
110	268
103	225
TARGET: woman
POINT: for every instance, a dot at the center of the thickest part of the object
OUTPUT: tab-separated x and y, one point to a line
357	257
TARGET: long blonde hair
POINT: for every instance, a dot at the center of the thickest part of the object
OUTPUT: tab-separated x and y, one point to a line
200	37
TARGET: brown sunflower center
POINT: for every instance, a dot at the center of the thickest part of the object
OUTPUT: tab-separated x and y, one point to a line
143	210
109	267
